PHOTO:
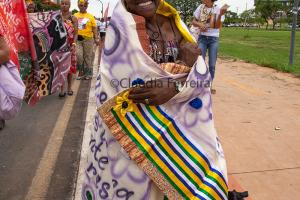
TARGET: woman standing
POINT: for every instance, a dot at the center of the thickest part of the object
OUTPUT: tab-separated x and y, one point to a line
87	36
153	136
71	26
209	17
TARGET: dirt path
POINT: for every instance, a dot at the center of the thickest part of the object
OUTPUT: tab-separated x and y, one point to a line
257	114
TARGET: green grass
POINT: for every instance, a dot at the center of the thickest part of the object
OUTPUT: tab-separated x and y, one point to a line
266	48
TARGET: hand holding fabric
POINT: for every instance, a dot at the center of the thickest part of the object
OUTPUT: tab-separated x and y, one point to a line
154	92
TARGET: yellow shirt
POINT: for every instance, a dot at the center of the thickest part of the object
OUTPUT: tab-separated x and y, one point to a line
86	22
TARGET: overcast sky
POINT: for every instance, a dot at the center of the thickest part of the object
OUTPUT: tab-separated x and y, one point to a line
95	5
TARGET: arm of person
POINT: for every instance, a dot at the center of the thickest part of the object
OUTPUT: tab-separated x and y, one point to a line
188	53
95	32
4	51
196	22
178	90
220	17
96	36
75	24
219	21
171	88
200	25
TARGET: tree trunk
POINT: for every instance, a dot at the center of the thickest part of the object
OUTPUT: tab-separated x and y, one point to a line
274	23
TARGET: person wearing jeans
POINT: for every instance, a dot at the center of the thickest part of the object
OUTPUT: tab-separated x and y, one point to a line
208	18
209	44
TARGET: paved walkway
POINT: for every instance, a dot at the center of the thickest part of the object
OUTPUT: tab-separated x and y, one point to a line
91	110
39	149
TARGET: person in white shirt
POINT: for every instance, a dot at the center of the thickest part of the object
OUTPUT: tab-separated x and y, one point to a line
102	29
208	18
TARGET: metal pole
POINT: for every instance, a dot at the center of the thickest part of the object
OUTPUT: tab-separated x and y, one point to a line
101	8
293	35
246	14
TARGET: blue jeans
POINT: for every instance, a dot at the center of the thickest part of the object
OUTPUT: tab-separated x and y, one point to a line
211	44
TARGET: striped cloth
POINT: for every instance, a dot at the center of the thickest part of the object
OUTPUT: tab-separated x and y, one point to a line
178	158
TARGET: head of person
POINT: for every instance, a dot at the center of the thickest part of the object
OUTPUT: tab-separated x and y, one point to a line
30	6
83	5
208	2
144	8
102	20
65	5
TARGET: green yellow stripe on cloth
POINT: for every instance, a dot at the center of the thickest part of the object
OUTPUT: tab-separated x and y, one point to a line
195	180
188	150
171	155
144	147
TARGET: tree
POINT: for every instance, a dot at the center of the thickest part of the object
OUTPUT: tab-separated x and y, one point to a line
288	9
231	18
44	5
269	10
185	7
248	16
74	11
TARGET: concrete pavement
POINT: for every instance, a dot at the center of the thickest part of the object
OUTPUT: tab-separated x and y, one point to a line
39	150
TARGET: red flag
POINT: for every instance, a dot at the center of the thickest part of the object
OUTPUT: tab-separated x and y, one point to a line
14	26
106	13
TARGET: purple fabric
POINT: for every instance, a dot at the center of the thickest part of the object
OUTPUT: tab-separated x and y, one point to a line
12	91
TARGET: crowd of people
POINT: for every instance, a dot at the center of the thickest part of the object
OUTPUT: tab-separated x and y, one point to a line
156	146
84	35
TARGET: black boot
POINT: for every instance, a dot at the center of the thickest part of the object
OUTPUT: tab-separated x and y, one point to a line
234	195
2	124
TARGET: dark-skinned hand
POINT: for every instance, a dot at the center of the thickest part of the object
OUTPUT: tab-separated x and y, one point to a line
188	53
157	91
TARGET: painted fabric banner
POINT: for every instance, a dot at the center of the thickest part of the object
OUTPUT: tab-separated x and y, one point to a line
141	152
14	25
53	52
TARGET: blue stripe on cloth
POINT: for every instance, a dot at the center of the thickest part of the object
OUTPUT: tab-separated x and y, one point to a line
163	159
190	143
177	153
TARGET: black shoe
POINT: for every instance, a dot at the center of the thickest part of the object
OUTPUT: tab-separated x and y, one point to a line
234	195
2	124
62	95
70	92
